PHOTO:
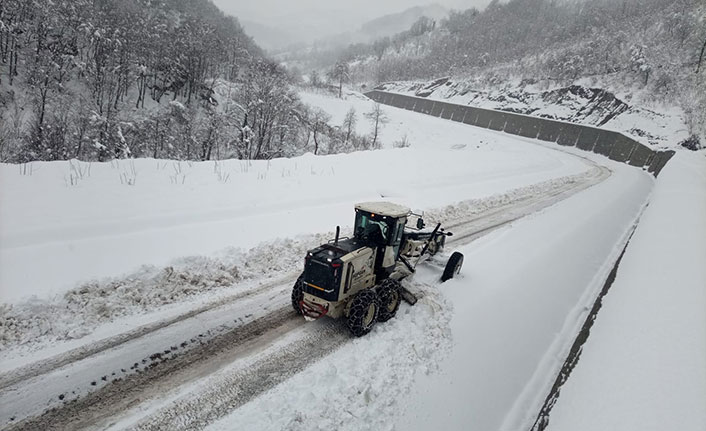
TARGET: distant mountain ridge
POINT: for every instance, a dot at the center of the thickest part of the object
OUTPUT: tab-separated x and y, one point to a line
267	37
388	25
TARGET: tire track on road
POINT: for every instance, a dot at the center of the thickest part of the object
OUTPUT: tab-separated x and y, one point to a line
44	366
122	394
199	410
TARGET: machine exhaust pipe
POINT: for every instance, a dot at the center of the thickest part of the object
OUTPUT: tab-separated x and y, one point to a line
338	232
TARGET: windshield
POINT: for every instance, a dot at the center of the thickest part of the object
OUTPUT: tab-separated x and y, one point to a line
369	229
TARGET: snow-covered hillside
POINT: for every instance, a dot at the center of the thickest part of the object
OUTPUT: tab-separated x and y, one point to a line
196	234
658	126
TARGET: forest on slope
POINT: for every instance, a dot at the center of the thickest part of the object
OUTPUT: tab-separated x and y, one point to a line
650	47
177	79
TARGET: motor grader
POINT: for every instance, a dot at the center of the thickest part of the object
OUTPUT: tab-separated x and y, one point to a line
359	278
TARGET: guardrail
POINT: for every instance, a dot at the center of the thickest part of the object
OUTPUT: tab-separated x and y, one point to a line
613	145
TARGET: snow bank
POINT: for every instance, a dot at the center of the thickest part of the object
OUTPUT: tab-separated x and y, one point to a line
80	310
644	364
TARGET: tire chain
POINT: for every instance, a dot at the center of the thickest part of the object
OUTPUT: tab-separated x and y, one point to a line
359	308
297	294
386	293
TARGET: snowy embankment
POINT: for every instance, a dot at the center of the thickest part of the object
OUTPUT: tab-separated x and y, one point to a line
478	352
644	364
657	126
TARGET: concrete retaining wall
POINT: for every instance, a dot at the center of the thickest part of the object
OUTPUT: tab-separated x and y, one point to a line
613	145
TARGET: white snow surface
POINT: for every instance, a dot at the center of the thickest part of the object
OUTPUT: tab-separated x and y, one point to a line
64	324
478	352
87	249
644	364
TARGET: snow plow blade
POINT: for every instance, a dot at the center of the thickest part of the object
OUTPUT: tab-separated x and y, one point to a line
408	296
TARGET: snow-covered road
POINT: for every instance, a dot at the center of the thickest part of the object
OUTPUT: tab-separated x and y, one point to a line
489	341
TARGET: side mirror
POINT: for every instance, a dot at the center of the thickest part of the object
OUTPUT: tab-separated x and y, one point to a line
420	223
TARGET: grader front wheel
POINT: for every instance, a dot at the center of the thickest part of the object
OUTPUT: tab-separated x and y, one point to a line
298	294
453	266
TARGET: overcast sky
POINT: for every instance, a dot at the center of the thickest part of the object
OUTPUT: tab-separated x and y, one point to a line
315	18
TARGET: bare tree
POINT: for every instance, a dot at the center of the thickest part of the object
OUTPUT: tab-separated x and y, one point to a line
319	126
314	79
380	46
377	119
349	122
701	56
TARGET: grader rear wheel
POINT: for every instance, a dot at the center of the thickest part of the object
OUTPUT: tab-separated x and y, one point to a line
363	313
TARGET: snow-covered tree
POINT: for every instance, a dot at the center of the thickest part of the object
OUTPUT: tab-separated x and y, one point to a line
340	73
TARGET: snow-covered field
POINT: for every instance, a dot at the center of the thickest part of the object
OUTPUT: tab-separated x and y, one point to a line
88	248
102	257
101	227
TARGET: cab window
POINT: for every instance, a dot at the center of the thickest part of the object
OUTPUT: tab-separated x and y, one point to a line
369	229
